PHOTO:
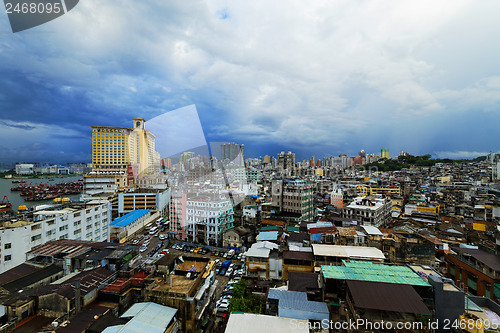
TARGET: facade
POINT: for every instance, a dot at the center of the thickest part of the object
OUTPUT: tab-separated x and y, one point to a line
25	169
144	198
286	161
123	152
178	215
207	218
370	210
341	161
80	222
294	196
476	271
337	198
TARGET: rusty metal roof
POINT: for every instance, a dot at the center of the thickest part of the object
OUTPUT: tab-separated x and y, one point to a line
386	297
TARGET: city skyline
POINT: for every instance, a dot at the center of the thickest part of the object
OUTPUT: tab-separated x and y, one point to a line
320	79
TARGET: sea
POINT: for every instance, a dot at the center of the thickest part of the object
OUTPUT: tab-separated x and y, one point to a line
17	200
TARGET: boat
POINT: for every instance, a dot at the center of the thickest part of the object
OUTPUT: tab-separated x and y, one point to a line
9	176
5	205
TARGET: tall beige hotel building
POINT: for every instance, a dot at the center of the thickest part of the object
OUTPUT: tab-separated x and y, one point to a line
124	153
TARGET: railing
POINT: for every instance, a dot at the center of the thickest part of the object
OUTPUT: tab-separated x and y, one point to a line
474	265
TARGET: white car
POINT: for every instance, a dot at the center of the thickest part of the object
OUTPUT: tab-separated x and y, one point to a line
162	236
143	249
229	271
221	302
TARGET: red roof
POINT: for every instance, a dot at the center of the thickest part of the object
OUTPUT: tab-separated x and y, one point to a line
322	230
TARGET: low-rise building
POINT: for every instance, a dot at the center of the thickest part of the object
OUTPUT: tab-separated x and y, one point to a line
370	210
475	270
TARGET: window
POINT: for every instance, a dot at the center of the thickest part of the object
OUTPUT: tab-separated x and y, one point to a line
8	246
7	257
36	237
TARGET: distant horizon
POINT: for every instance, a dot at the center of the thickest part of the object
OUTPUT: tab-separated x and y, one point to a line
297	160
324	77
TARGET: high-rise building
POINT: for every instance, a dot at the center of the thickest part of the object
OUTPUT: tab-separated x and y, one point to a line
294	196
286	161
233	153
123	152
384	153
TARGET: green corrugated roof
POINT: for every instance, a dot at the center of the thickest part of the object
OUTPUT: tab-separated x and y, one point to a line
269	228
366	271
292	229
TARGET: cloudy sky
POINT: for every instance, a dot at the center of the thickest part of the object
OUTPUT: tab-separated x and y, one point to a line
314	77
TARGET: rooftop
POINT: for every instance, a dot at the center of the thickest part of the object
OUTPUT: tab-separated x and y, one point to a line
146	317
294	304
251	323
488	259
366	271
267	236
345	251
126	219
386	297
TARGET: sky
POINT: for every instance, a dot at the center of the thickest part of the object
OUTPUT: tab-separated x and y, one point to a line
313	77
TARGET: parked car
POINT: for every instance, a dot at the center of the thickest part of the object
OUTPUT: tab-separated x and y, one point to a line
143	249
229	272
146	242
222	302
223	307
165	251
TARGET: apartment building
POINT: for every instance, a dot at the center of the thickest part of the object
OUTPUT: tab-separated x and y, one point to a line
370	210
89	221
208	217
293	196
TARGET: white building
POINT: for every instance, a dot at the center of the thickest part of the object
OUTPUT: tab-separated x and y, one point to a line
25	169
78	221
207	218
371	210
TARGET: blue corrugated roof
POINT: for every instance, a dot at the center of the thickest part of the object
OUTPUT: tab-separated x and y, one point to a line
294	304
267	236
126	219
316	237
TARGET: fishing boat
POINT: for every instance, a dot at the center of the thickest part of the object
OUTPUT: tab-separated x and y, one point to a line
5	205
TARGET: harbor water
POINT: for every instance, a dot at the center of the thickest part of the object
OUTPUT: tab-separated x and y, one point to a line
16	199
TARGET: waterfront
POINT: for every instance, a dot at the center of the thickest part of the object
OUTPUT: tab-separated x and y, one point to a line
16	199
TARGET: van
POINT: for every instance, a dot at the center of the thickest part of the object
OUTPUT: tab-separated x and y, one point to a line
153	230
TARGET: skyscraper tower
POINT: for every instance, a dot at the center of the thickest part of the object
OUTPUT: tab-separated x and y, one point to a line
233	153
384	153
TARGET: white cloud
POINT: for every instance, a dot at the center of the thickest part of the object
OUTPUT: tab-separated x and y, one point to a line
287	72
